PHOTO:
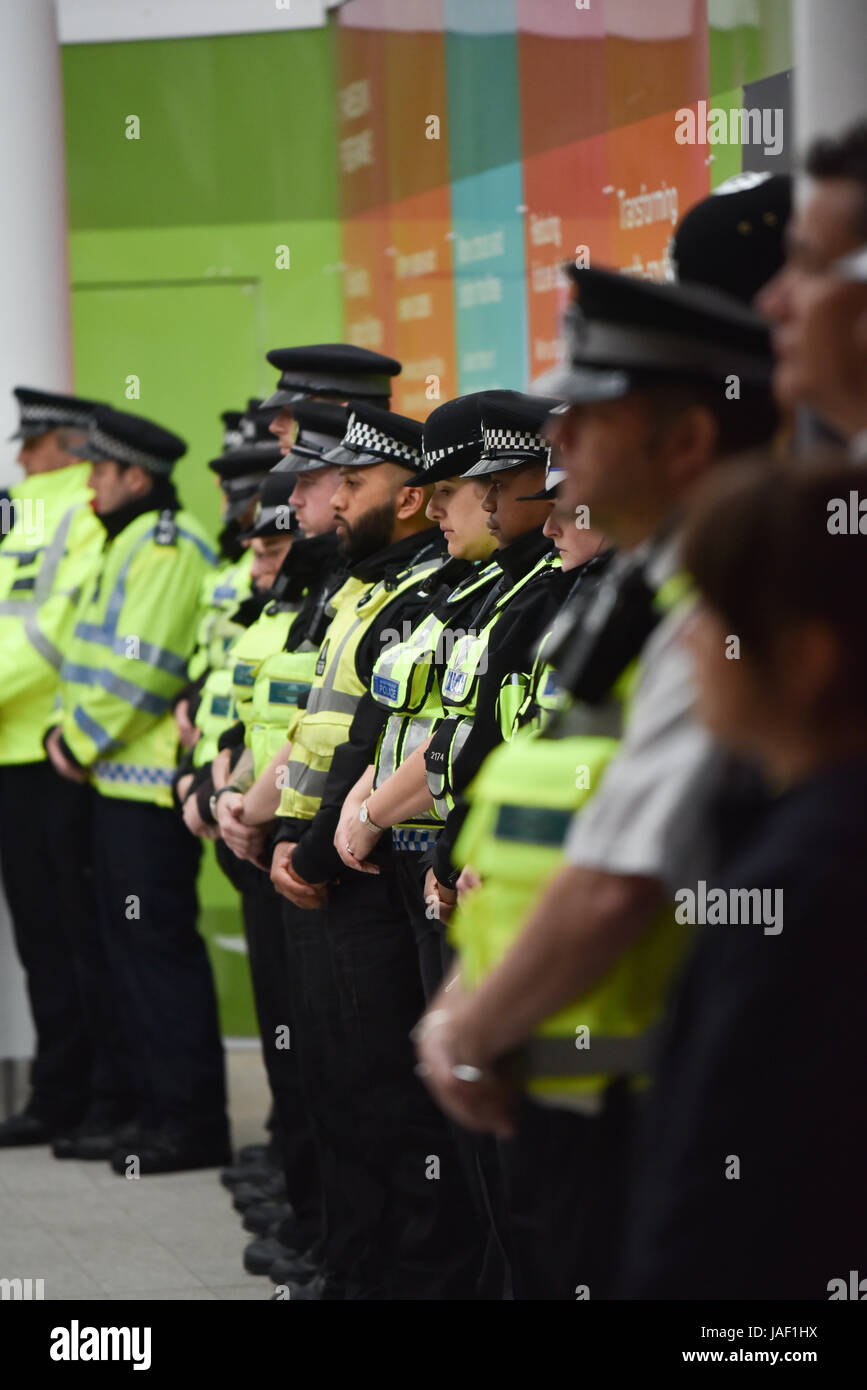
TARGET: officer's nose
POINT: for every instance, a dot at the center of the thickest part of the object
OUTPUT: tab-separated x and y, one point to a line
489	501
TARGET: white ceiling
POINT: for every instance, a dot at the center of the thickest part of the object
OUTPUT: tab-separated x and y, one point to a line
113	21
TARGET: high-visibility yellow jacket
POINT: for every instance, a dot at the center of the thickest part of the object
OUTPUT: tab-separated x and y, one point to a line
50	544
134	632
521	805
223	589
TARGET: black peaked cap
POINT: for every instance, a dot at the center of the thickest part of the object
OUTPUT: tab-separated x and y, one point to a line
452	437
41	411
131	440
512	424
339	370
375	436
321	427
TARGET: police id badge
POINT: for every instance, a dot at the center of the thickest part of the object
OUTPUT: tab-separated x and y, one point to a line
322	657
387	690
167	529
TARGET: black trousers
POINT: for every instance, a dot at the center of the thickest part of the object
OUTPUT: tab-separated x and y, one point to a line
421	1229
566	1176
145	863
268	955
478	1152
45	859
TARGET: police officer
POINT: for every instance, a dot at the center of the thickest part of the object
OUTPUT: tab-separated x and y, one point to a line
486	676
273	667
49	545
648	414
375	1126
123	665
228	605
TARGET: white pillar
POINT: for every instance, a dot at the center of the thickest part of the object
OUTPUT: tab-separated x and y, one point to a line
35	347
830	51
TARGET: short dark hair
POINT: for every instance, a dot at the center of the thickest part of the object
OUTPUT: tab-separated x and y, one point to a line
843	156
759	548
745	423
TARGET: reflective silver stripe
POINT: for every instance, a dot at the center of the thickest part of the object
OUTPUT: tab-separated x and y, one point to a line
37	639
100	736
417	732
305	780
317	697
16	607
53	555
152	655
115	685
324	699
559	1057
387	761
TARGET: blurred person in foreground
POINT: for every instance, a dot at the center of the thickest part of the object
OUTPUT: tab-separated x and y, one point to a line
750	1183
817	303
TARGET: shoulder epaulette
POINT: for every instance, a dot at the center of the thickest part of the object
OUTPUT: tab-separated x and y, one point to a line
166	532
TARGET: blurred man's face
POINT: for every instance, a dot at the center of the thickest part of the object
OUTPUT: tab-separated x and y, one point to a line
604	449
508	517
114	486
269	552
819	321
48	452
311	498
284	427
456	506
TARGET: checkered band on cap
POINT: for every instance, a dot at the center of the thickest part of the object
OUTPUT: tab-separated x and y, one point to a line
232	439
500	442
433	456
125	453
366	439
63	415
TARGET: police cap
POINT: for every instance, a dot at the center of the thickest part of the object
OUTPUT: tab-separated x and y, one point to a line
734	240
41	411
623	334
337	370
512	431
130	441
321	426
375	436
452	437
274	516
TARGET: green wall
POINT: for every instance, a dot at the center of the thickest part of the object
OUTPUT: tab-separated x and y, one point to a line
173	241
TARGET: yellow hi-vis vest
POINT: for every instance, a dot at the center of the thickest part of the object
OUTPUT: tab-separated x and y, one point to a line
127	659
280	690
460	685
521	805
50	546
405	683
222	592
337	688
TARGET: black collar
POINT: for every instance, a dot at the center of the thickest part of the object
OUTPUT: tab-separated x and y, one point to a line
309	558
161	498
518	558
400	555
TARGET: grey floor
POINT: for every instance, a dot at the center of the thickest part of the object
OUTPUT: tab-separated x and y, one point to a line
90	1234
